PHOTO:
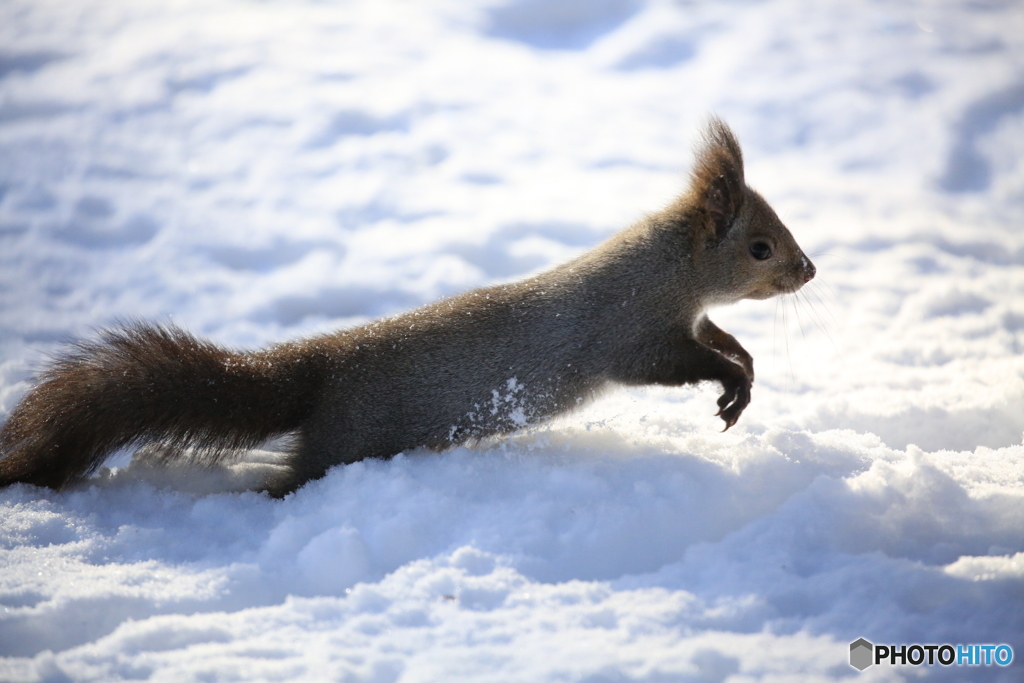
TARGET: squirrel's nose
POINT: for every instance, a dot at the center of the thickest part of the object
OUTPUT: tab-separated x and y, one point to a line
809	270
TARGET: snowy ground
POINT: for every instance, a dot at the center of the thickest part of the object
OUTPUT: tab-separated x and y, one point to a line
257	171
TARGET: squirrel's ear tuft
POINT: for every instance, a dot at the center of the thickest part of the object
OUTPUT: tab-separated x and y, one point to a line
717	184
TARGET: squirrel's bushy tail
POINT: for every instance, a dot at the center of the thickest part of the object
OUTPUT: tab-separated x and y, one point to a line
141	383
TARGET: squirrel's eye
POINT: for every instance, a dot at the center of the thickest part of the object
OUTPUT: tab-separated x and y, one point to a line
760	250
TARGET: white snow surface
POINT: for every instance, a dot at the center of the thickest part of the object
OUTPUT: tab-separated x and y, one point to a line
259	171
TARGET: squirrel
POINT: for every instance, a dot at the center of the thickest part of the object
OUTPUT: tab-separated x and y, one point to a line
632	311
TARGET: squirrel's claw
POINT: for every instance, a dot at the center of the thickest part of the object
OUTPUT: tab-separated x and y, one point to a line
732	402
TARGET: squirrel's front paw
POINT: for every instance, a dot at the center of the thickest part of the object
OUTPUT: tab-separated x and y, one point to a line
735	398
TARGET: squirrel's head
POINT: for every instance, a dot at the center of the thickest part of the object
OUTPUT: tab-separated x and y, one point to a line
737	238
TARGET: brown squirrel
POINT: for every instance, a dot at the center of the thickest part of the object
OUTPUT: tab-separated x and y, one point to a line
631	311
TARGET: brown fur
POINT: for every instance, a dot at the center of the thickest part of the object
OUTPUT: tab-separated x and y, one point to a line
632	311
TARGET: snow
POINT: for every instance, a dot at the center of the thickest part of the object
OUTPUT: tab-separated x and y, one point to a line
259	171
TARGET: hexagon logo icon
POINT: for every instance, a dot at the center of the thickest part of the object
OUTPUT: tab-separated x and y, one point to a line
861	652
